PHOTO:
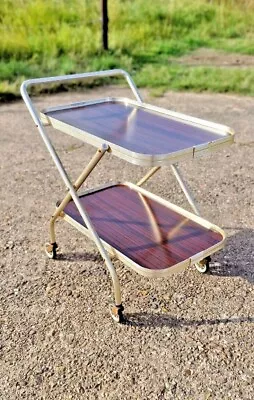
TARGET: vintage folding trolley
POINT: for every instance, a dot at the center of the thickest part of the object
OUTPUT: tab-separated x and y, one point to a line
150	235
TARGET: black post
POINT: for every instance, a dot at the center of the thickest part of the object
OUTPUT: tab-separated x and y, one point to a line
104	4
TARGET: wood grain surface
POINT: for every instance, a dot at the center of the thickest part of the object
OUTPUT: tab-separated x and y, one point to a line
147	232
135	129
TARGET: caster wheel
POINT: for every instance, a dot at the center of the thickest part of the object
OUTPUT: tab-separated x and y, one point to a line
50	249
116	313
203	265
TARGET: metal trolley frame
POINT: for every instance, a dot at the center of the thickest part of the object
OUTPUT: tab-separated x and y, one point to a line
223	137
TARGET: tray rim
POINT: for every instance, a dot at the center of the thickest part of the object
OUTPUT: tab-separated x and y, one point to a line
132	264
226	133
149	107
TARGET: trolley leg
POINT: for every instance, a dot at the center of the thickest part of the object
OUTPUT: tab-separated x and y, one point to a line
51	247
116	311
148	176
180	180
72	190
203	265
185	189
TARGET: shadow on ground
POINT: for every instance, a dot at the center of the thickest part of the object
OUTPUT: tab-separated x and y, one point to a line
160	320
237	259
84	256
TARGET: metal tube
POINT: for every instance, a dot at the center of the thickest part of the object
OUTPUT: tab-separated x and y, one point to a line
85	75
73	193
80	180
148	175
185	189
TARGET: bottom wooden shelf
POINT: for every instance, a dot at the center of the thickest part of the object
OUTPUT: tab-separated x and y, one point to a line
149	234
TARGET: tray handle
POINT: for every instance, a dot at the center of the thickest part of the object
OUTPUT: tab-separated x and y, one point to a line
66	78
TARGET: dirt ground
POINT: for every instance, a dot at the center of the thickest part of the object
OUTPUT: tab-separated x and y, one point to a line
211	57
188	337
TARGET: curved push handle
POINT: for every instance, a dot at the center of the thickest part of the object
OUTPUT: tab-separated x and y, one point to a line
66	78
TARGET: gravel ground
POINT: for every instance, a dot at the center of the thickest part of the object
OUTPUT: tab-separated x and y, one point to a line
188	337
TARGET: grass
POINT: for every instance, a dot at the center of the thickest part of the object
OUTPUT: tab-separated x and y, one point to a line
198	79
45	38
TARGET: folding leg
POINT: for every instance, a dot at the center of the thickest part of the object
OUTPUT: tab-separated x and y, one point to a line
117	309
185	189
52	246
180	180
148	176
203	265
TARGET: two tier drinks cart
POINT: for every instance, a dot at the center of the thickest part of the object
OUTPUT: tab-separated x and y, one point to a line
150	235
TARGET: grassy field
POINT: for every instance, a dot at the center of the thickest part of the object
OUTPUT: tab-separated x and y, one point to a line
45	38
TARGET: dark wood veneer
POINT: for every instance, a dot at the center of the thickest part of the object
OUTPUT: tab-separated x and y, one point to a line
135	129
125	219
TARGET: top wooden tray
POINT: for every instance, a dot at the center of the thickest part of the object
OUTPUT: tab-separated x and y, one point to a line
138	132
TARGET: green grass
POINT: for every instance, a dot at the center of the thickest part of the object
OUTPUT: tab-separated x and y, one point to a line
198	79
54	37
